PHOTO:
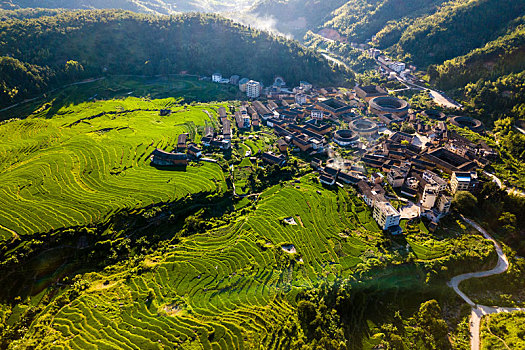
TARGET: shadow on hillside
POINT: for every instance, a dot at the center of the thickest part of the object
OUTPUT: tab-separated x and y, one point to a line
169	167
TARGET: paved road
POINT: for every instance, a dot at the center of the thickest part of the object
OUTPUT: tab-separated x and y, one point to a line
443	100
478	311
519	129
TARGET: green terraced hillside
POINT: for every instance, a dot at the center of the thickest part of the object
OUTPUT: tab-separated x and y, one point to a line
87	161
229	288
233	287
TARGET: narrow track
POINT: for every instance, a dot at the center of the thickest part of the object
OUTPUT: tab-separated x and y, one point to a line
478	311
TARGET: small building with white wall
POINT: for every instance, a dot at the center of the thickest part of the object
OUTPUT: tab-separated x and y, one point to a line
253	89
216	77
429	197
386	215
463	181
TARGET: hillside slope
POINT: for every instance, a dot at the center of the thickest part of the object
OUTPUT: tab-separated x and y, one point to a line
457	28
359	20
499	57
92	43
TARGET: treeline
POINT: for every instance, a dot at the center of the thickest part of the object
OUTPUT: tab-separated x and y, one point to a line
48	51
497	58
503	213
338	315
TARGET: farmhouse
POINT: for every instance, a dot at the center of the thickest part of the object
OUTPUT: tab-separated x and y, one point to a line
386	215
463	181
194	150
206	141
396	177
221	144
333	107
327	180
300	99
282	145
369	92
271	159
222	112
305	85
227	129
181	143
302	142
264	112
234	79
317	114
216	77
163	158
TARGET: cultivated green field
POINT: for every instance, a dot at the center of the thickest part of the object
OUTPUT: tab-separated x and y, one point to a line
228	288
87	161
235	286
232	287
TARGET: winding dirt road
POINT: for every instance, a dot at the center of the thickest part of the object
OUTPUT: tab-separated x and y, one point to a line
478	311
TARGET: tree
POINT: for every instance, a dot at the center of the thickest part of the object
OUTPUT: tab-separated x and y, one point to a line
430	320
307	312
408	128
465	202
507	222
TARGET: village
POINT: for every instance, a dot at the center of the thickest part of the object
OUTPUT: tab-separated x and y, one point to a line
404	163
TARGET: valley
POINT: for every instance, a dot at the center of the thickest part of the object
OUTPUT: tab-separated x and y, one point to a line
179	180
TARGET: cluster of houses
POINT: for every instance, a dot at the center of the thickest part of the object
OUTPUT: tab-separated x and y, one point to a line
189	150
425	167
251	87
393	68
255	89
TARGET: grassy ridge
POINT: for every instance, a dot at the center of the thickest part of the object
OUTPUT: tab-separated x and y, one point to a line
91	160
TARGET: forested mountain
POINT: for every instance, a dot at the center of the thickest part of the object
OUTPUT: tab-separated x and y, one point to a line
424	31
457	28
147	6
43	52
359	20
296	16
502	56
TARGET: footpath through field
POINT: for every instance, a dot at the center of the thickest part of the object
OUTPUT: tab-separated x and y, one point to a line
478	311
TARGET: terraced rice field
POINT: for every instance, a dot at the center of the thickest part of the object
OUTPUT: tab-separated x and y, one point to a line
232	287
240	175
90	160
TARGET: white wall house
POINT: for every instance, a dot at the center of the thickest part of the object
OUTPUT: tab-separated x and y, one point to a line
386	215
317	114
463	181
216	77
253	89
